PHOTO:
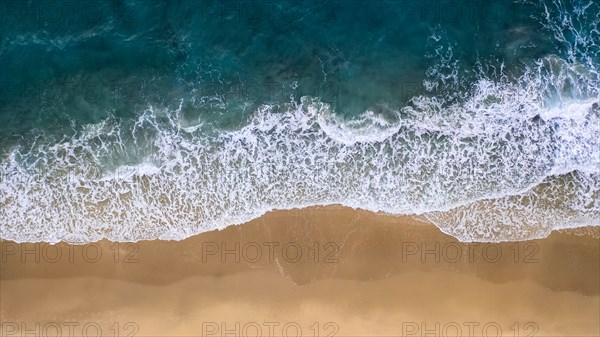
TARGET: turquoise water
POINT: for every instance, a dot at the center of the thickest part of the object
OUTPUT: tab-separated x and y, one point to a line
152	119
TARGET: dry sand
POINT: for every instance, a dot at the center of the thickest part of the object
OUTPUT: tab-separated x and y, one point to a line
319	271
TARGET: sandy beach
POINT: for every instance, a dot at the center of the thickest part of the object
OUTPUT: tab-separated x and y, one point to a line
321	271
246	168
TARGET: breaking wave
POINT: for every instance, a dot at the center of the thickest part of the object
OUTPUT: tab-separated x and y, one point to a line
504	157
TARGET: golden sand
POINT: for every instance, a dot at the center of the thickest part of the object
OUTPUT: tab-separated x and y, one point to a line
318	271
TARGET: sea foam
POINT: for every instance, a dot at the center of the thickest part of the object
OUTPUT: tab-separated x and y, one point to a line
503	158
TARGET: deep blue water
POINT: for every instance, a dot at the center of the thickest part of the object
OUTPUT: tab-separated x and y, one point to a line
356	55
162	119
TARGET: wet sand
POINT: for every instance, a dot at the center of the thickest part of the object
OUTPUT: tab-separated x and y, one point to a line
315	272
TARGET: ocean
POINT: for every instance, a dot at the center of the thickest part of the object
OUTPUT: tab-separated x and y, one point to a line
140	120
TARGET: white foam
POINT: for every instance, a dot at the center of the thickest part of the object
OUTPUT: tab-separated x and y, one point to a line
506	159
369	128
130	172
443	167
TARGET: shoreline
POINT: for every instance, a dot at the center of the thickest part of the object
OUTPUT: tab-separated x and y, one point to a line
584	230
348	271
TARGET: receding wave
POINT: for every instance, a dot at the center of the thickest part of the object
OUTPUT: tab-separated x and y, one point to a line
499	171
505	158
